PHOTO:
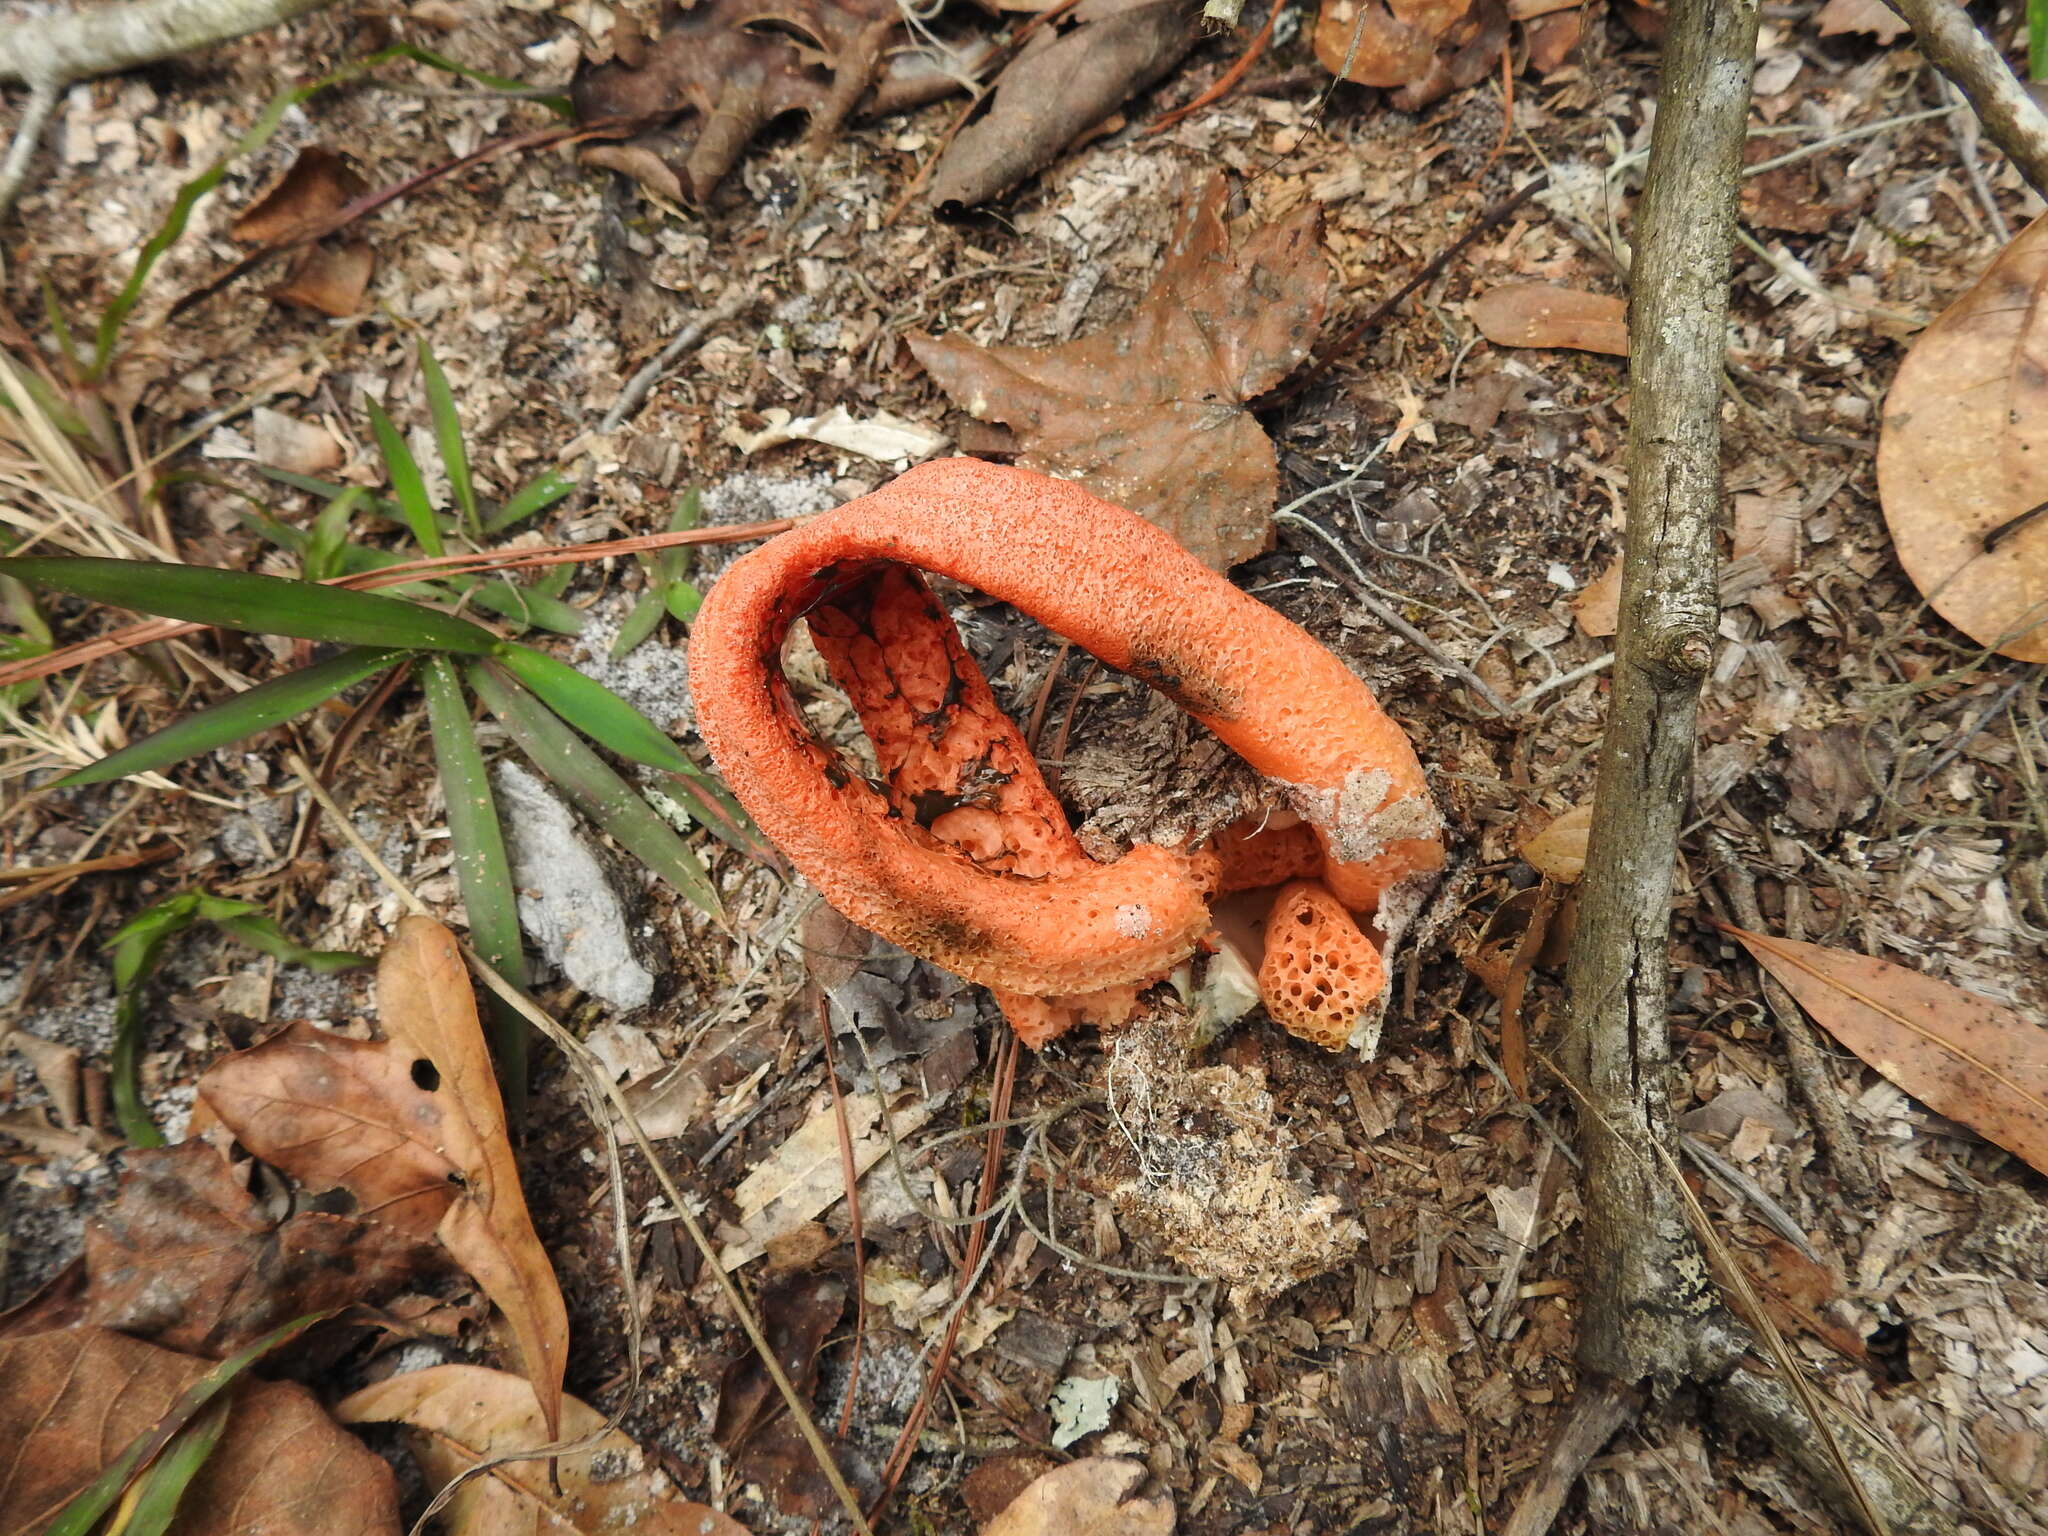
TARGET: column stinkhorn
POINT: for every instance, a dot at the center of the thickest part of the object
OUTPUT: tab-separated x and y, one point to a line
958	851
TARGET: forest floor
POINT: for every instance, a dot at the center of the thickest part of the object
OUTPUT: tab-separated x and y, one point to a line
1856	756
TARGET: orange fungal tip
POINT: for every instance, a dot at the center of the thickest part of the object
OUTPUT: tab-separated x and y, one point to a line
956	849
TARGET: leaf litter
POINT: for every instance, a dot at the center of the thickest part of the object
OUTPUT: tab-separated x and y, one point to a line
1981	1064
414	1127
72	1400
1154	414
1962	465
464	1416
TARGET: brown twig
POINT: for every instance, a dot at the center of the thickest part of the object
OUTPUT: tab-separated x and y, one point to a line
849	1174
326	224
358	720
1226	83
2011	119
22	874
1005	1081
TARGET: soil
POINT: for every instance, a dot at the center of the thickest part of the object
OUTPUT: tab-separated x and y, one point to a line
1857	755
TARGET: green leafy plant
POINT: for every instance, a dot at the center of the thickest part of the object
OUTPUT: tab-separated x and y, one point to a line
545	706
669	590
137	946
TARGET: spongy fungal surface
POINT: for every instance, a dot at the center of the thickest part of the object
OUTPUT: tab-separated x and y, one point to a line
1320	972
957	850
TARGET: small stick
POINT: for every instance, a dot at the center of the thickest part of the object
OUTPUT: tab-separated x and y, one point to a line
1808	1064
641	385
2011	120
849	1174
1227	83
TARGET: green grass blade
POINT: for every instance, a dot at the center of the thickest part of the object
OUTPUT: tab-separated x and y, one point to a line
326	490
640	623
529	607
683	600
173	227
164	1483
559	105
537	495
323	557
260	708
707	803
2037	39
448	438
82	1514
482	868
598	792
675	562
263	605
407	483
260	932
594	709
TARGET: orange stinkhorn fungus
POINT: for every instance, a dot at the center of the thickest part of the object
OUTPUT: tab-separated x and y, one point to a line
1320	972
960	852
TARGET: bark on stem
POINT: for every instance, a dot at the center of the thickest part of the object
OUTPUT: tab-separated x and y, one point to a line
1652	1309
2011	119
54	51
100	40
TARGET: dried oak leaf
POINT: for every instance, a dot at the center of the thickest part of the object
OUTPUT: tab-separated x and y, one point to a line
1061	86
1964	453
186	1257
71	1401
1090	1497
1152	414
734	66
1872	16
413	1126
464	1414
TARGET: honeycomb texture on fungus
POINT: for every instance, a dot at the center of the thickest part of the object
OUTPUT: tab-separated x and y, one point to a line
1321	972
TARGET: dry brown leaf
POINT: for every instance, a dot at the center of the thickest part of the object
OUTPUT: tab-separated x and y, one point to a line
1964	452
320	183
798	1313
464	1414
1598	607
1086	1498
329	278
184	1256
1540	315
71	1401
1152	414
1424	48
413	1127
337	1113
425	1005
1872	16
1966	1057
1558	852
1385	44
733	66
1063	85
